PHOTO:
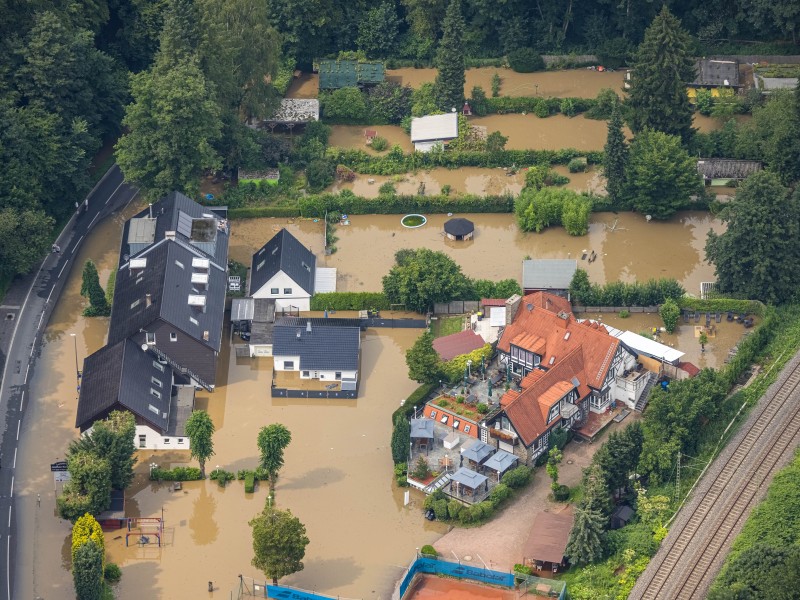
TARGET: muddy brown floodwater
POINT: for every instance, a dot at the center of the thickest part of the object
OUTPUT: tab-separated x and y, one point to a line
576	83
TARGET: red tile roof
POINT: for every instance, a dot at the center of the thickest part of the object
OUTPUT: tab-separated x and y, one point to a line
492	302
450	346
690	368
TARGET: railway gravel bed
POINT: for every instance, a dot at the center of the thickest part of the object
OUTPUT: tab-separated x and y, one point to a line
693	552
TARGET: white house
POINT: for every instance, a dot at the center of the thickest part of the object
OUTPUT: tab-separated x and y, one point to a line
284	270
126	377
433	130
327	352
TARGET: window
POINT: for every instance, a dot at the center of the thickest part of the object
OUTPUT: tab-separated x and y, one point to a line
150	338
274	291
142	441
337	375
158	366
179	263
155	393
306	373
466	428
153	409
287	290
166	440
260	264
156	381
456	423
433	414
135	303
288	365
173	337
444	419
180	440
194	321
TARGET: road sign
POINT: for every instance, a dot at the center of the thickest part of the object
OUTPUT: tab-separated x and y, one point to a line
61	477
58	466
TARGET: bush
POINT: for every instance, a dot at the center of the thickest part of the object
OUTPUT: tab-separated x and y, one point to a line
249	483
350	301
176	474
525	60
454	508
389	102
561	493
320	173
499	494
440	509
112	573
518	477
257	212
387	189
577	165
345	105
428	550
221	476
604	104
648	293
432	499
670	313
624	314
417	398
379	144
476	512
538	209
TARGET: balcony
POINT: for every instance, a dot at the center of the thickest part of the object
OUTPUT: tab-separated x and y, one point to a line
504	436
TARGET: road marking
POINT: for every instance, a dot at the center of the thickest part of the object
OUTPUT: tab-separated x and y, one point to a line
8	567
18	422
41	318
75	247
12	486
62	268
27	370
14	466
33	346
93	220
114	192
21	400
9	517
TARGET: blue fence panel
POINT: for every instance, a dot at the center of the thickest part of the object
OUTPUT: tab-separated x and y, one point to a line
431	565
283	593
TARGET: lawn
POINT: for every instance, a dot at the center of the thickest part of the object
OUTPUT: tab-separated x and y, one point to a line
447	325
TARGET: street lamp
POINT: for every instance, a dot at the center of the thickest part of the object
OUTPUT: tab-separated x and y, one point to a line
152	466
75	346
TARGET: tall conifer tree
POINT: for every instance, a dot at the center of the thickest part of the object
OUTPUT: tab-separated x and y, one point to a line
450	60
615	157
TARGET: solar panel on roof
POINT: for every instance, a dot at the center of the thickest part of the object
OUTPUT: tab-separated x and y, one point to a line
184	224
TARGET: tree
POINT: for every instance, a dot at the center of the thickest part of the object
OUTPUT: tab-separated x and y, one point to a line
378	30
450	60
87	529
553	459
24	238
423	277
757	256
424	364
662	177
703	340
272	441
90	288
345	104
87	572
585	543
111	439
172	122
496	142
279	543
615	157
761	571
401	438
389	101
199	430
89	490
670	313
663	66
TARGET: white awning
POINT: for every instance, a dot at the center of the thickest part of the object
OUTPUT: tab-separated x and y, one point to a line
324	280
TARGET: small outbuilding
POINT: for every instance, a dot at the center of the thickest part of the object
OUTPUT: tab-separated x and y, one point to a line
713	75
547	541
456	344
422	433
433	131
477	453
459	229
621	516
724	171
500	462
548	275
468	485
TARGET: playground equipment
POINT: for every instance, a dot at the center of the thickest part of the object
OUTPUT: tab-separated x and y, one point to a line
145	528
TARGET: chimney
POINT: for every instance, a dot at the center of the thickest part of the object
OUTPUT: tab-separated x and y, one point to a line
169	235
205	336
148	300
150	209
512	306
308	326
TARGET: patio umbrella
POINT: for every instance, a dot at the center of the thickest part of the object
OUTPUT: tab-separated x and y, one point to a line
508	374
489	382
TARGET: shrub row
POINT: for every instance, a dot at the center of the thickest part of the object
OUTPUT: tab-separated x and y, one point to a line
350	301
348	203
617	293
416	399
254	212
753	307
176	474
396	162
541	107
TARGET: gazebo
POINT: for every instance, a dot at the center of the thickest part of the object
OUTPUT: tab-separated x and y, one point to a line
466	482
422	433
500	462
459	229
477	453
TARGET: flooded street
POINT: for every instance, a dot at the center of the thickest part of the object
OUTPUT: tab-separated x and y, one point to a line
468	180
576	83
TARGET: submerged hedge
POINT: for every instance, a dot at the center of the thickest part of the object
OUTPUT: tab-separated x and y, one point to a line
350	301
349	203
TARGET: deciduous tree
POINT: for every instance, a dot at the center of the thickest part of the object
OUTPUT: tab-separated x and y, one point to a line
450	60
378	30
663	66
401	438
89	490
279	543
670	313
423	362
272	441
757	256
112	439
423	277
200	431
662	177
87	572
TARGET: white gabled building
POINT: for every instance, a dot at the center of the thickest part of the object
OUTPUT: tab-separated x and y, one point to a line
433	130
284	270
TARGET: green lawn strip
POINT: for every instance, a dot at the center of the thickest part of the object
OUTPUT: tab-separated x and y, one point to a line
448	325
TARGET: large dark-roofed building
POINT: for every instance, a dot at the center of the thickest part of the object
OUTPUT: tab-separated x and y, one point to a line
284	270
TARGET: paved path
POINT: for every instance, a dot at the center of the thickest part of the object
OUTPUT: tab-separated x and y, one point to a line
24	314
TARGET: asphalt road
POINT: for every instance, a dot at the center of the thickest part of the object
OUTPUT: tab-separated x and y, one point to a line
24	315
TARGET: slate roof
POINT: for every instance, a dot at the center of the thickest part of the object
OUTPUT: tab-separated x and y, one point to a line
501	461
469	478
478	452
120	375
727	168
284	252
175	212
714	73
321	349
167	278
456	344
548	273
422	429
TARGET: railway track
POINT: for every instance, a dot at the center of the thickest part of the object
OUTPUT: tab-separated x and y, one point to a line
697	544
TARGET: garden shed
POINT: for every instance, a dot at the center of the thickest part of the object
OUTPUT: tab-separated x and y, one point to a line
547	541
722	171
714	74
459	229
293	112
548	275
422	433
433	131
335	74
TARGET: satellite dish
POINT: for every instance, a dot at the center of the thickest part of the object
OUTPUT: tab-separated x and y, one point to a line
144	347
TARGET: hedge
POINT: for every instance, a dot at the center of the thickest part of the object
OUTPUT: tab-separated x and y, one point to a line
350	301
348	203
396	162
416	399
253	212
249	483
176	474
541	107
753	307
